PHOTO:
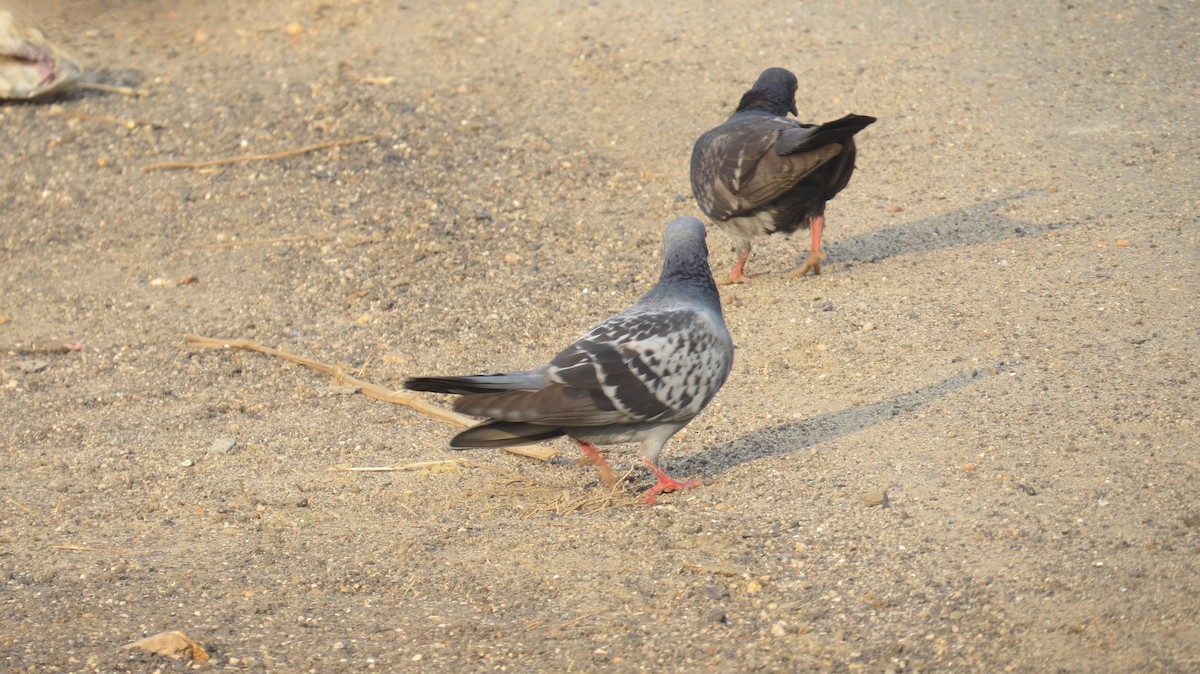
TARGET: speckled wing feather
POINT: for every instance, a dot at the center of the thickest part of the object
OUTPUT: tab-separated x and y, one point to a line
639	366
650	365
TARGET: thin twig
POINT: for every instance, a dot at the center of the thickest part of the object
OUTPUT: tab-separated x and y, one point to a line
256	242
382	81
20	507
715	569
624	477
412	581
282	154
366	362
112	89
513	477
367	388
572	621
88	548
127	123
395	467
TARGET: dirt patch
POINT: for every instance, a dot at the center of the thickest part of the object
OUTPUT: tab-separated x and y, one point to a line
1003	342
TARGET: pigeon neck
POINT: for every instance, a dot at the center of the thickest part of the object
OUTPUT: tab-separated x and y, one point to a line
766	100
689	271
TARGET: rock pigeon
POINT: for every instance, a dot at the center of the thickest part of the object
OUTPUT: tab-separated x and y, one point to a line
639	376
761	173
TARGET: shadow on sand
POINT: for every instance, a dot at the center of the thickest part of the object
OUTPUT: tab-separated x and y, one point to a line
789	437
968	226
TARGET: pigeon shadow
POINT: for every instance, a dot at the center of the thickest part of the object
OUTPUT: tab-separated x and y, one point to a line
968	226
793	436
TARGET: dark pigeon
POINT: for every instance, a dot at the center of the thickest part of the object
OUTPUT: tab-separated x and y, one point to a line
639	376
760	173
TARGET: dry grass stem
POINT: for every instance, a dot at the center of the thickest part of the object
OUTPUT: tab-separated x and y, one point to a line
572	621
269	156
397	466
112	89
714	569
257	242
109	551
20	507
368	389
127	123
534	499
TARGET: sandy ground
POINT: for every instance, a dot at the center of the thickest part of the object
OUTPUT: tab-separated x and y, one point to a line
1004	341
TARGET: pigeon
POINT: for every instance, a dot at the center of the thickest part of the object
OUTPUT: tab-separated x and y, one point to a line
761	173
639	376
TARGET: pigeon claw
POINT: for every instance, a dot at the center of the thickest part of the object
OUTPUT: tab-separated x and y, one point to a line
738	273
665	482
740	277
592	456
813	264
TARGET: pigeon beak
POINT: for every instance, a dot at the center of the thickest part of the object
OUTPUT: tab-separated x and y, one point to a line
795	113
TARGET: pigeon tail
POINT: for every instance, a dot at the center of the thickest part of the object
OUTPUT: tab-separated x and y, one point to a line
804	139
499	433
479	383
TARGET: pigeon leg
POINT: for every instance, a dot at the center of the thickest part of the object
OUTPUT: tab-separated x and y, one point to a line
665	482
738	275
594	457
815	256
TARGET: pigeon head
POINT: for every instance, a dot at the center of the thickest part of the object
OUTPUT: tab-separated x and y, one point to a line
773	92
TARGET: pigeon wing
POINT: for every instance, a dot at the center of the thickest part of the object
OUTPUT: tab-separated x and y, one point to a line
636	367
653	366
737	168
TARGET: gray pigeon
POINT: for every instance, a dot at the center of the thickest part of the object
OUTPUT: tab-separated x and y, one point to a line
639	376
761	173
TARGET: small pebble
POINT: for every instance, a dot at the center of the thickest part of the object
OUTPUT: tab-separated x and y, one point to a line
875	498
779	629
222	446
868	326
970	467
716	592
187	463
29	366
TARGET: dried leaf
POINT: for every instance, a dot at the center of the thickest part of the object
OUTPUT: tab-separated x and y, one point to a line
175	645
30	65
